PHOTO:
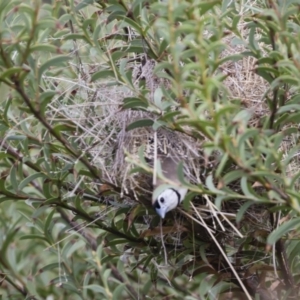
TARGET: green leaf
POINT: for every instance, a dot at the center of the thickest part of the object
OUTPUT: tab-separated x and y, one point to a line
56	61
83	4
64	127
33	237
222	164
10	72
13	178
117	294
288	107
41	210
134	103
75	36
285	79
283	229
30	178
134	25
242	210
86	280
50	267
67	286
47	231
4	191
45	99
44	48
232	176
9	236
139	123
106	275
157	124
102	74
23	7
75	246
246	188
117	55
96	288
207	5
16	138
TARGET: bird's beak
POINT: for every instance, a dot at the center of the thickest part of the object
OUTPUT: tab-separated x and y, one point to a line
161	211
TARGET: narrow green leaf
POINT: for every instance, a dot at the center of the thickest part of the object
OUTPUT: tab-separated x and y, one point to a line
139	123
44	48
45	99
64	127
30	178
102	74
134	104
56	61
83	4
106	275
10	72
245	188
69	287
33	237
74	247
16	138
282	230
242	210
207	5
86	280
232	176
13	178
117	294
47	231
39	211
210	184
5	192
221	165
96	288
50	267
134	25
117	55
288	107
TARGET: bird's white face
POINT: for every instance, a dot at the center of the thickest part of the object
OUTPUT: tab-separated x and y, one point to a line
168	200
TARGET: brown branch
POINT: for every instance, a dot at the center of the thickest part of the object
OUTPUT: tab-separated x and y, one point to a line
88	218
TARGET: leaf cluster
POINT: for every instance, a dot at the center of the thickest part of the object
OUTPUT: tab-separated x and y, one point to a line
68	228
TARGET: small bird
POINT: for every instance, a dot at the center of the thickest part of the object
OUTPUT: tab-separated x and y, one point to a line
170	198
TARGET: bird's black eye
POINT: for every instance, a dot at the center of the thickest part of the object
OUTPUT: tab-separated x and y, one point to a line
162	200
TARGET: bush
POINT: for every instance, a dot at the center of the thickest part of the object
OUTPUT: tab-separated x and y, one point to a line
85	87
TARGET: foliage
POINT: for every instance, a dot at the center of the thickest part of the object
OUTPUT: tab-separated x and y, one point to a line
67	231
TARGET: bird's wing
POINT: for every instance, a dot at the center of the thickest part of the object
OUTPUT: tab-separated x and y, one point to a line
169	169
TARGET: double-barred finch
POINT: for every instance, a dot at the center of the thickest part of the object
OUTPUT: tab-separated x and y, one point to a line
170	198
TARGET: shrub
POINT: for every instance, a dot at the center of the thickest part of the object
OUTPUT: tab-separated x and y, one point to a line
85	87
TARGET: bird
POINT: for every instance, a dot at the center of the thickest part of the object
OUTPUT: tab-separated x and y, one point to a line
171	197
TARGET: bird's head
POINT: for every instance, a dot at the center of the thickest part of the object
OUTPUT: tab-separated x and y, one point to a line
168	200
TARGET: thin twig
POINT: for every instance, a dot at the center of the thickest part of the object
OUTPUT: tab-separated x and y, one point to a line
162	241
223	254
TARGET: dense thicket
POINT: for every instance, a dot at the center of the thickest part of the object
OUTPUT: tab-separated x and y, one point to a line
78	80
